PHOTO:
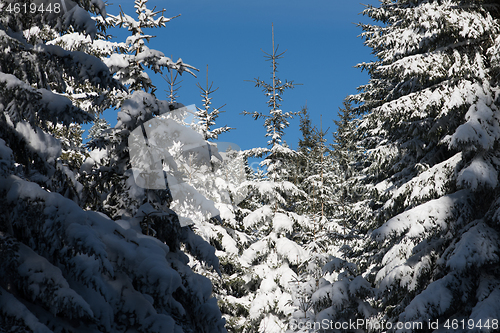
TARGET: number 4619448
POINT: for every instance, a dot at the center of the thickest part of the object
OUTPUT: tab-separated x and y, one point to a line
471	324
32	8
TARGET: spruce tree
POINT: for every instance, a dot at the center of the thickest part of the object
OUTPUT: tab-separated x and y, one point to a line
318	176
218	179
429	126
350	192
130	67
328	272
100	125
299	166
272	259
309	139
275	122
65	267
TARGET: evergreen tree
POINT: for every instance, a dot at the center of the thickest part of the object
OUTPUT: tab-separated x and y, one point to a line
270	262
275	123
72	151
298	167
130	68
227	234
309	138
430	131
350	192
317	182
64	268
218	179
89	97
327	273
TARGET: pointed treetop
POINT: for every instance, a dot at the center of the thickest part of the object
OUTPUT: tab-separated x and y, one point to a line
207	115
276	121
172	83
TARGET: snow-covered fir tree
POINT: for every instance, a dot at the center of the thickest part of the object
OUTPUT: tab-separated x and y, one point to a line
206	202
318	181
129	68
88	97
218	179
271	261
350	192
330	287
275	122
72	151
430	127
65	268
328	271
298	166
226	233
397	221
318	175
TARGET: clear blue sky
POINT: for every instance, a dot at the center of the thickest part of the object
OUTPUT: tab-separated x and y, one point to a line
322	47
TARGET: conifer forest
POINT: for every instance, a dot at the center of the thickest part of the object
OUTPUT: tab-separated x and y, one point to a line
389	222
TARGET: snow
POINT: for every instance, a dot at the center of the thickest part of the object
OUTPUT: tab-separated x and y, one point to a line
477	246
290	250
253	251
75	41
22	188
430	183
322	293
337	293
116	61
79	18
225	211
197	245
407	259
46	284
229	244
45	145
430	65
397	269
54	106
271	324
478	173
336	264
267	285
424	218
436	299
282	223
488	294
102	245
88	67
482	126
258	216
5	153
189	204
285	275
11	307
